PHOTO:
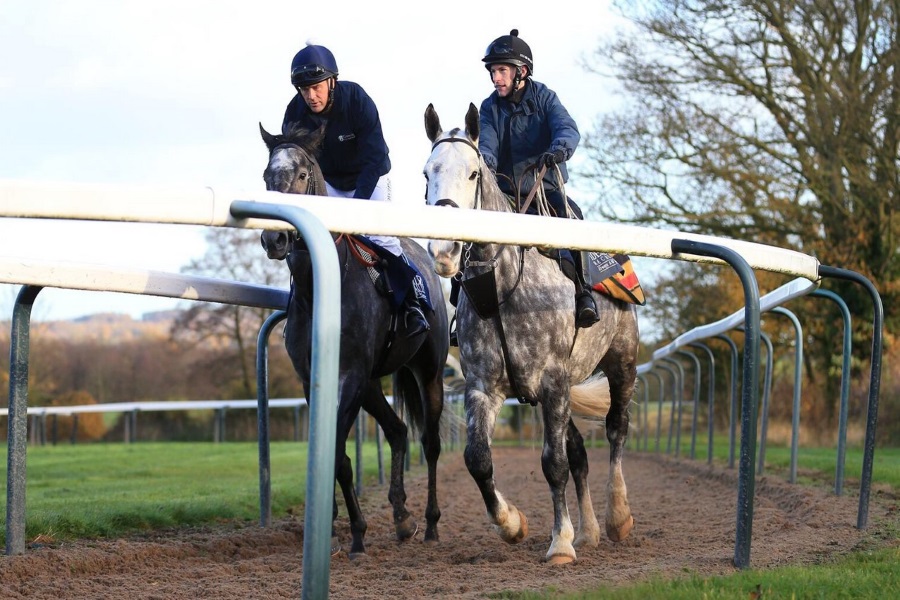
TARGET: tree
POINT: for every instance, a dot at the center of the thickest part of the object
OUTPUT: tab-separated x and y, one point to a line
777	122
233	254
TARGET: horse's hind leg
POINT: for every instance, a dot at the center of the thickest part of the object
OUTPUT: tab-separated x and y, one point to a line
481	416
621	377
395	432
555	464
431	442
588	533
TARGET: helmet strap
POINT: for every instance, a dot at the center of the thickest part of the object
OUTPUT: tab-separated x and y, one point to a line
330	103
516	80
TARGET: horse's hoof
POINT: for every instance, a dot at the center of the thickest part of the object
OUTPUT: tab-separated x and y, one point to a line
521	534
588	541
617	534
407	530
335	546
559	559
358	556
431	535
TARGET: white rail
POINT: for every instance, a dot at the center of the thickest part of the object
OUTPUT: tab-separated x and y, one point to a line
84	276
206	206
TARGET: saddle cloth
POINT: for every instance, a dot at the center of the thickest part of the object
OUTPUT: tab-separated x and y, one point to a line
613	276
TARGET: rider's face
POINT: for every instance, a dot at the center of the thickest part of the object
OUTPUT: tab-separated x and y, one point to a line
502	76
316	95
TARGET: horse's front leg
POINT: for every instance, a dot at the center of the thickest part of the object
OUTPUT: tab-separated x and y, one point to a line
347	412
588	533
481	412
555	464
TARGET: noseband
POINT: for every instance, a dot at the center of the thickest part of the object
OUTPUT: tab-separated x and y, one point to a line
478	186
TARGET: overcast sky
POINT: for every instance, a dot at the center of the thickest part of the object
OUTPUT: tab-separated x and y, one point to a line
170	93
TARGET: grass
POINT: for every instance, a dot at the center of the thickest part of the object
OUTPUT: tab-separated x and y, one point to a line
109	490
863	575
814	465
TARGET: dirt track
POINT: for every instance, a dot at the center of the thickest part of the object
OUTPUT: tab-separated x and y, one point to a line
685	515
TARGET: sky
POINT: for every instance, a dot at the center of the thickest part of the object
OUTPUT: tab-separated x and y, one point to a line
172	92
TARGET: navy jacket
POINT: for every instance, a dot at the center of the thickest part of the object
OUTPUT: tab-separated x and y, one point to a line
354	154
513	136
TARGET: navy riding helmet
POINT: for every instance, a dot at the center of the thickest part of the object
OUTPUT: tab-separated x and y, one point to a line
312	65
509	49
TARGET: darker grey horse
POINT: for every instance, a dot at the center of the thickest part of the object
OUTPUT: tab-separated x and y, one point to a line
371	347
517	337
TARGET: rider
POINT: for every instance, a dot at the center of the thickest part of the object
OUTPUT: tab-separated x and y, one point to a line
523	123
354	156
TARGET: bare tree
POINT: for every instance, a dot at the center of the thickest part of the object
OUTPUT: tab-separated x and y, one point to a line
234	254
770	121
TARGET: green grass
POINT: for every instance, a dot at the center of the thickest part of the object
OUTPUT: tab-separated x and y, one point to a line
108	490
873	575
814	465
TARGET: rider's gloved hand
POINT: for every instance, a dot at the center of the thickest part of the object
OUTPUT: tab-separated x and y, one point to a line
553	158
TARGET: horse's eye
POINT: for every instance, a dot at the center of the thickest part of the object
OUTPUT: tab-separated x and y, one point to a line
473	176
303	176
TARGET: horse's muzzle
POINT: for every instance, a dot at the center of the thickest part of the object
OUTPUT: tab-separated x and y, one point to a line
275	243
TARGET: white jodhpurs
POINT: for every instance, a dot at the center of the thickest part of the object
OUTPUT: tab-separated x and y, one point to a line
382	192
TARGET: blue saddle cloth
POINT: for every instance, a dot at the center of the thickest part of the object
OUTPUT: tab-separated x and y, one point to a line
402	274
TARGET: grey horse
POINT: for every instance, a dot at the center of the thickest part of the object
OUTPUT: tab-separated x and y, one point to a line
517	337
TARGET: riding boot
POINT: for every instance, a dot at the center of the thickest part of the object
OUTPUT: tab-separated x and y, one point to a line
585	306
414	316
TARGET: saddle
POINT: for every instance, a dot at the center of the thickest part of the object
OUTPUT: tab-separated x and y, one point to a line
392	276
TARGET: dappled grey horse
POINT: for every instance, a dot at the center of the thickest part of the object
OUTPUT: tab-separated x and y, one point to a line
517	337
371	346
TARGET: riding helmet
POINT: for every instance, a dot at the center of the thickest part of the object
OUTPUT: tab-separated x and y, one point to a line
312	65
509	49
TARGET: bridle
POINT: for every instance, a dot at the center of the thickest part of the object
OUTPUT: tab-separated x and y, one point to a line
491	264
479	190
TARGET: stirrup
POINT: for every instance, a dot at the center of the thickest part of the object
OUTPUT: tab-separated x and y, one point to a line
415	321
585	310
454	337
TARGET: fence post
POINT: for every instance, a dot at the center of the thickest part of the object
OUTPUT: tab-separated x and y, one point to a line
746	476
845	388
865	486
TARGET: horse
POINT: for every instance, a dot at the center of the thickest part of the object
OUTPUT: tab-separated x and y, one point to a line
369	346
517	337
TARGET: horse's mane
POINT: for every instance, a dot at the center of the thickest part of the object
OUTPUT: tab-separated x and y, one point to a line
310	140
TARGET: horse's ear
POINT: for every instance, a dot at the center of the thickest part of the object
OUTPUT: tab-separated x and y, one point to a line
267	137
432	123
472	122
316	138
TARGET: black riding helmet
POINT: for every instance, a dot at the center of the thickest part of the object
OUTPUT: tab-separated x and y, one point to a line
312	65
509	49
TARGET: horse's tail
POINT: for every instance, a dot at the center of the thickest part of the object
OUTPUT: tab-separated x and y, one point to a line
408	399
590	398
